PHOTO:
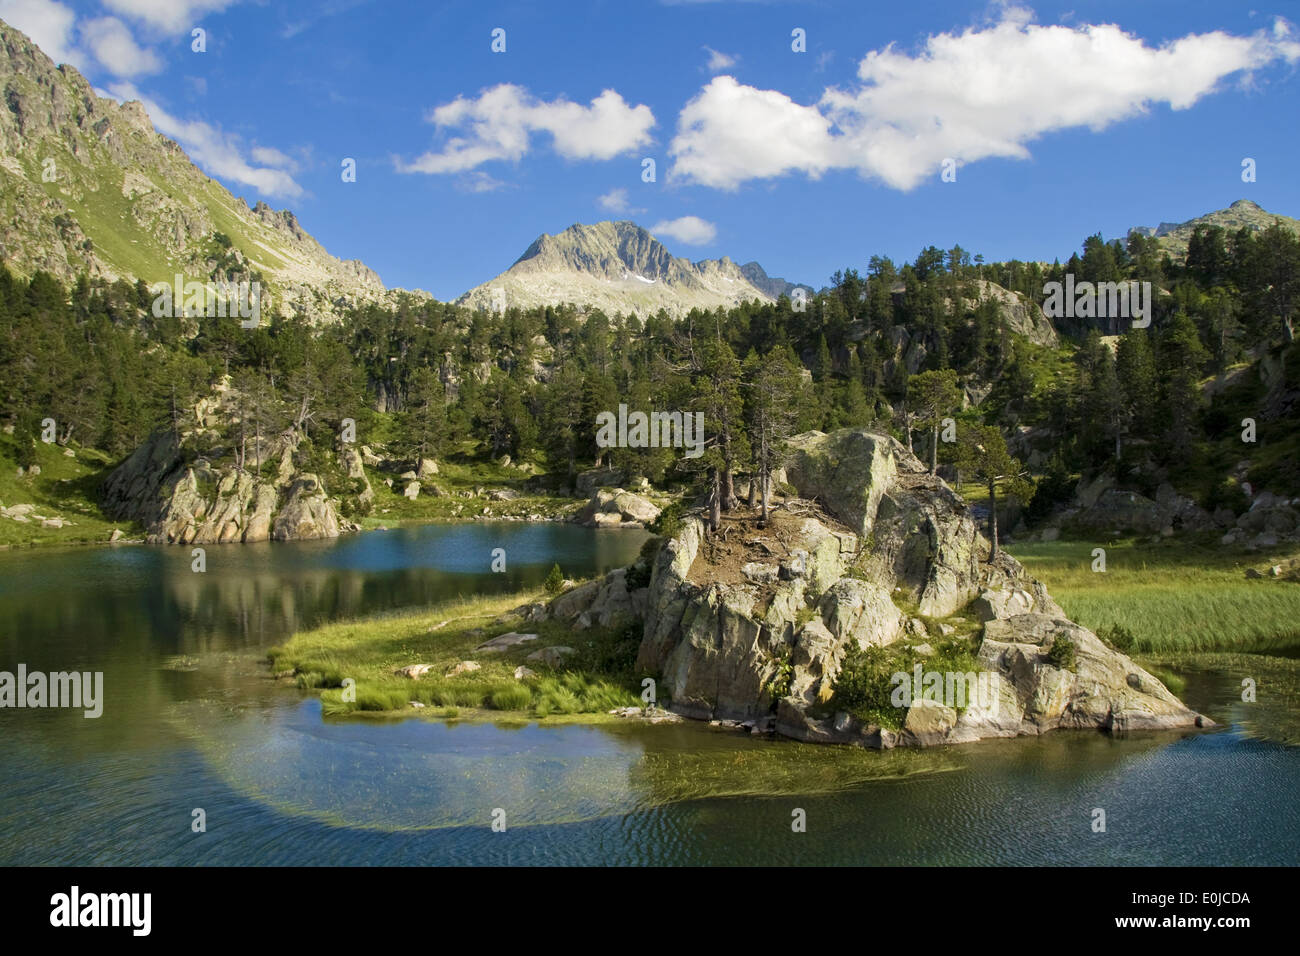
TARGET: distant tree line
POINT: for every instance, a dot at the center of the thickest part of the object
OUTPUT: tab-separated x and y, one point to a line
434	379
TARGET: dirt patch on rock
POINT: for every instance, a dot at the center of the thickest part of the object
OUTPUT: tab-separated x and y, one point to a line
741	541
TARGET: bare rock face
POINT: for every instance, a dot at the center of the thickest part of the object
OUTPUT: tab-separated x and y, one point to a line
607	602
921	536
618	267
185	500
720	648
860	611
1104	689
1020	314
753	638
308	513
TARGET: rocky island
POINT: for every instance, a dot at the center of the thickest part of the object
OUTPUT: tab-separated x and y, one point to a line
868	554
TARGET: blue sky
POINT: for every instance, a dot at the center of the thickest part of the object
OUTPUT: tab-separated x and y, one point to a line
1063	120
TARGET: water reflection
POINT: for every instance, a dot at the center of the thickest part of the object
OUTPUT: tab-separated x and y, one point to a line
192	720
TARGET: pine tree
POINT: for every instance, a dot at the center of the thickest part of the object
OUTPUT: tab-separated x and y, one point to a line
933	396
772	387
1181	361
423	419
982	453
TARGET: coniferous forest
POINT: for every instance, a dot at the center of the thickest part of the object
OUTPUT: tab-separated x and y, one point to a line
900	348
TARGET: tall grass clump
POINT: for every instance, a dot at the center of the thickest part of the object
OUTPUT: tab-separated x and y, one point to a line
507	696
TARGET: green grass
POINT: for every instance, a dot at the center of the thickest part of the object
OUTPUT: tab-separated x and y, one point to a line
459	472
595	680
1184	595
69	488
66	488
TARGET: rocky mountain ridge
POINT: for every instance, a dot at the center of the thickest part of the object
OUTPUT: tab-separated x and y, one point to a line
88	185
1174	236
621	267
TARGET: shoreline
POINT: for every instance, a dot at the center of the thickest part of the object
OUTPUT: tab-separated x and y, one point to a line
454	633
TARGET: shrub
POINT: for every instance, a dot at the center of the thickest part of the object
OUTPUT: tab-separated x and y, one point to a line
1227	494
1061	653
779	685
554	580
1120	638
612	654
669	521
863	686
638	574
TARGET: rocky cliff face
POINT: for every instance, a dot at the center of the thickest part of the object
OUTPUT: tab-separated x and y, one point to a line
774	286
184	496
88	185
617	267
1021	315
755	624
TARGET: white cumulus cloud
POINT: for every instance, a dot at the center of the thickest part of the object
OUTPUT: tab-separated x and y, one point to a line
270	156
168	16
691	230
969	96
217	152
500	122
616	201
111	43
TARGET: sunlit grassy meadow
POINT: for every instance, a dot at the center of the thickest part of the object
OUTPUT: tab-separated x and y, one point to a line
1176	596
594	680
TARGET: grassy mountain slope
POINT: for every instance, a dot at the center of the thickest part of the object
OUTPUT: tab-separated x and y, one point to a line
87	185
1175	236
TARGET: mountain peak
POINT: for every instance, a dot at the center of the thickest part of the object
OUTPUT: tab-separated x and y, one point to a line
1244	213
617	266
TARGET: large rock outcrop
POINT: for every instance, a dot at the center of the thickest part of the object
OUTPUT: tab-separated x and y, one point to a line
181	498
616	508
756	625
